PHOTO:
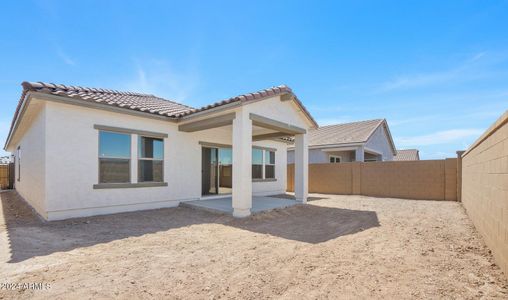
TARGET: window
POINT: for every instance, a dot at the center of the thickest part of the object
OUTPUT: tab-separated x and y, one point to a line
151	159
114	157
19	162
269	164
257	163
263	164
335	159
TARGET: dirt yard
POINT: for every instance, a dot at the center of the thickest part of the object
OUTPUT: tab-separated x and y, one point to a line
335	247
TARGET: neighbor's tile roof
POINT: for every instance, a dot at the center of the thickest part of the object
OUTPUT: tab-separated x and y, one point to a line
134	101
407	154
356	132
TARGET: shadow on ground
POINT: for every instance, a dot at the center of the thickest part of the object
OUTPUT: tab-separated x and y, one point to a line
29	236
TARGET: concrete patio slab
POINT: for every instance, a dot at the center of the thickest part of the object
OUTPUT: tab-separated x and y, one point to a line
224	205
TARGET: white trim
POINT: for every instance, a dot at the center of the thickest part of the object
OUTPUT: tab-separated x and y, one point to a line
372	151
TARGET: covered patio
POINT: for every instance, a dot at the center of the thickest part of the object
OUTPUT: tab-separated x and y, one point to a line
273	120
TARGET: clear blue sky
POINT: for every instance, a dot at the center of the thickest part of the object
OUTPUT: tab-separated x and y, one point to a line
436	70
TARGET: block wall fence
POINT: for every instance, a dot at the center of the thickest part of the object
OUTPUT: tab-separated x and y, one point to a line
485	188
424	179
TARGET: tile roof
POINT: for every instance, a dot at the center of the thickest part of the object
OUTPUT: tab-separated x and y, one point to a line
259	95
355	132
145	103
407	154
134	101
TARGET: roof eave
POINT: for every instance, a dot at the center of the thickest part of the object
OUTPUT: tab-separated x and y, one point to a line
29	93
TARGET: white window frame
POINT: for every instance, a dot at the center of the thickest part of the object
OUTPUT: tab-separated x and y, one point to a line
335	157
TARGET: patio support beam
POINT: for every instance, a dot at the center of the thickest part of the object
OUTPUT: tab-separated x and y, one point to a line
268	123
209	123
301	168
242	165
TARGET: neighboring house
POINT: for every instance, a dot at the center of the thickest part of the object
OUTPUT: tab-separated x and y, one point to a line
86	151
358	141
407	154
5	160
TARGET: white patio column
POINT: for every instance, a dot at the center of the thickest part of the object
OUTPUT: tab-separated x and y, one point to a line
242	164
301	168
360	154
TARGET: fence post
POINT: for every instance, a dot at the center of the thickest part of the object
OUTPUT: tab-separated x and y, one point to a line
459	175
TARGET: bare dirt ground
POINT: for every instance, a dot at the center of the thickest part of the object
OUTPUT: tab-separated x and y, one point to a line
336	247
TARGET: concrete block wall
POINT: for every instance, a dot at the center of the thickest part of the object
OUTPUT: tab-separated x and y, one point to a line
485	188
426	179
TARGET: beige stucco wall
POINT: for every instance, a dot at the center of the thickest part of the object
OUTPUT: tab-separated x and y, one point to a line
485	188
426	179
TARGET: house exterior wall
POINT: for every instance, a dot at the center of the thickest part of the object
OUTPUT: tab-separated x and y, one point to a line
32	170
379	141
70	150
485	188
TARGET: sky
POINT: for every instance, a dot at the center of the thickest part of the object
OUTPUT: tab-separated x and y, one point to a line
436	70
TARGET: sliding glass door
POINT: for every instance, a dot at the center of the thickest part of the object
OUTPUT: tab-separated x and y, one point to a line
217	171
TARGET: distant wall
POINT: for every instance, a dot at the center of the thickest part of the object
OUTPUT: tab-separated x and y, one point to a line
485	188
380	141
4	177
425	179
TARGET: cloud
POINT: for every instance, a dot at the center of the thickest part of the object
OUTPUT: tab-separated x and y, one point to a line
159	78
440	137
64	57
465	72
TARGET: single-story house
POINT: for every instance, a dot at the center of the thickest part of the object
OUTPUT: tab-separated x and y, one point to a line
407	154
363	141
88	151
